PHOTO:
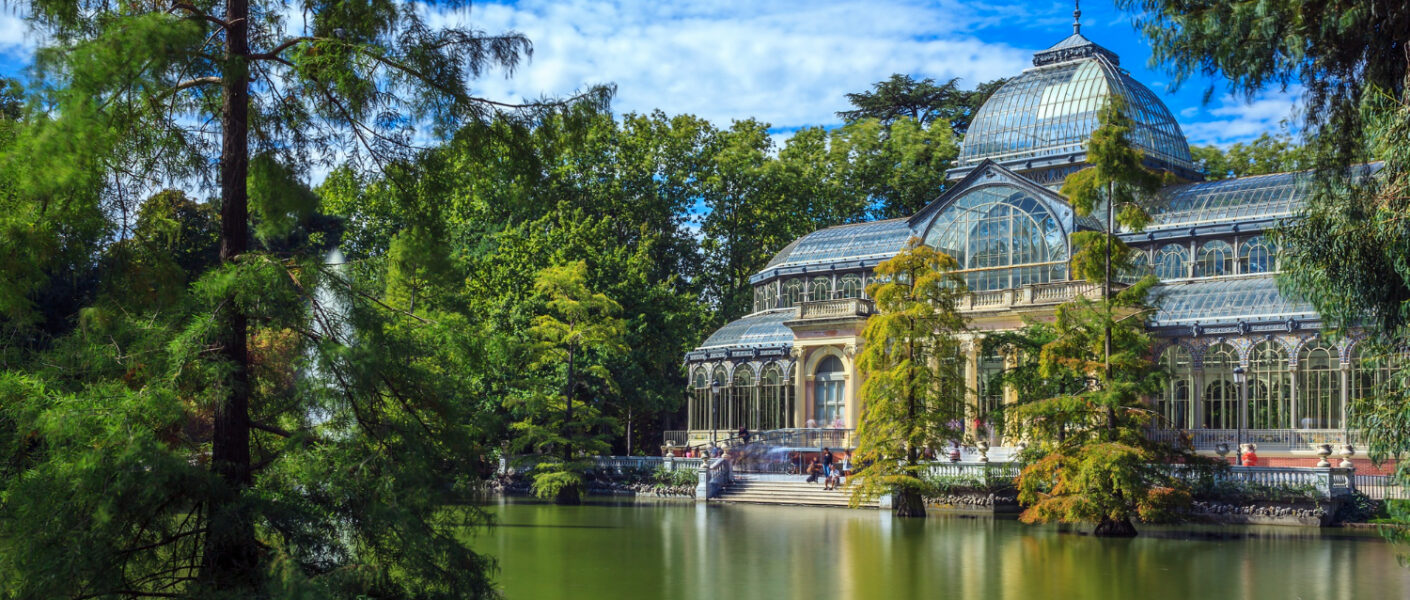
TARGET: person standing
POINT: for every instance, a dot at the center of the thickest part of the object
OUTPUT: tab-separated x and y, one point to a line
827	462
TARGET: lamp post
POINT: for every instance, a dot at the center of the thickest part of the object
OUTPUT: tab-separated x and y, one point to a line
1241	380
714	397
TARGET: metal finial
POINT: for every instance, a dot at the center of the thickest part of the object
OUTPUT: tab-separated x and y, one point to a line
1077	16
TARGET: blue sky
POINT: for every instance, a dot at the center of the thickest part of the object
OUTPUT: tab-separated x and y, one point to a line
789	62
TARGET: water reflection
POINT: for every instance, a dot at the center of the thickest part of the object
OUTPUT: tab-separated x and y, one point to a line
689	551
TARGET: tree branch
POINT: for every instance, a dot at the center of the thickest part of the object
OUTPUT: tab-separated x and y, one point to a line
199	14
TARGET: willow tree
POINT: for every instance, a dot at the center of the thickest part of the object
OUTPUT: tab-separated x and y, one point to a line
913	389
576	330
1093	462
244	97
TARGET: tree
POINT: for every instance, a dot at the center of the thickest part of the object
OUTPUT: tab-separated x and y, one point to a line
1265	154
153	94
913	388
1095	464
577	327
923	102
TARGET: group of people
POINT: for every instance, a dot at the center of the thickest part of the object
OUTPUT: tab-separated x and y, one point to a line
836	423
825	465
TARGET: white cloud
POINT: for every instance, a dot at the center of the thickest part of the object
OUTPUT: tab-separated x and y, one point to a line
17	41
787	63
1237	119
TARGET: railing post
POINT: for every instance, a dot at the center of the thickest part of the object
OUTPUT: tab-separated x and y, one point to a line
702	486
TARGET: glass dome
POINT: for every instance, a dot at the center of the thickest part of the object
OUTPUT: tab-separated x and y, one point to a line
1050	111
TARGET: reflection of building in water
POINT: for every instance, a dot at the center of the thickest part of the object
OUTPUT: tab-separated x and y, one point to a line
1221	314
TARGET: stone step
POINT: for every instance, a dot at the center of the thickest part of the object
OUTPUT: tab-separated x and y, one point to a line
787	492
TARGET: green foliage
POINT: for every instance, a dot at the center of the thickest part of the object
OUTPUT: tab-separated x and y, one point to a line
553	479
676	478
1265	154
923	102
913	389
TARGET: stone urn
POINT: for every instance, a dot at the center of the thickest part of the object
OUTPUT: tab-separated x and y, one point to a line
1347	451
983	448
1323	451
1221	449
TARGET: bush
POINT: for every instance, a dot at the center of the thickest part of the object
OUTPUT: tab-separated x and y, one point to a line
678	478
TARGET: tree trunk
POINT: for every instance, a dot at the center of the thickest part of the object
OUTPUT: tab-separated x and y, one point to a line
1115	528
1106	300
230	561
568	406
908	503
569	496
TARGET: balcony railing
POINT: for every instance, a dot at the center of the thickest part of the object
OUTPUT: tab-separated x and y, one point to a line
1038	294
840	308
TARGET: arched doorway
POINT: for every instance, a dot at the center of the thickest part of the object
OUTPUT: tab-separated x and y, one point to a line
829	391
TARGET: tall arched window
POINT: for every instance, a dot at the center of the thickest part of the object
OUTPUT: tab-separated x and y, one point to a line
851	284
1257	255
829	391
719	389
1370	371
1221	397
776	399
792	292
1269	387
1174	406
1319	386
743	396
1002	237
820	289
1171	261
699	417
1216	257
1139	268
770	296
758	299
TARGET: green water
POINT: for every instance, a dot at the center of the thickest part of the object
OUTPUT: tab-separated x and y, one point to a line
681	550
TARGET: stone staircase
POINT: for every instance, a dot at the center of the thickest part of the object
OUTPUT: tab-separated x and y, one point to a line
786	490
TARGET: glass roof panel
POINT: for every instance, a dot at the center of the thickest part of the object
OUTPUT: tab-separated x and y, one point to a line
1253	197
860	241
1225	299
1052	110
761	329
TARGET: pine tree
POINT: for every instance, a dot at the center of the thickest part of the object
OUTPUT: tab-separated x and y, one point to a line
1092	460
913	391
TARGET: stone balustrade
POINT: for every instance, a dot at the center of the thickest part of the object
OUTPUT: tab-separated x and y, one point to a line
1038	294
840	308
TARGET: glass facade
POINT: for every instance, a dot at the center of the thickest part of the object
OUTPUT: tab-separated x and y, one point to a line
1174	407
856	242
1172	261
1319	386
1220	400
1244	198
1225	300
1216	257
1269	387
1002	237
1257	255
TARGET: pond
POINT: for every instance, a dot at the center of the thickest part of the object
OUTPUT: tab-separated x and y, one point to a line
682	550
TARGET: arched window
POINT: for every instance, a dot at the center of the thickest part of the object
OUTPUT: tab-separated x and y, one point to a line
1002	236
699	417
1269	387
758	299
1221	397
1139	268
1319	386
719	389
851	284
1257	255
829	391
820	289
743	409
776	399
770	296
1216	257
792	293
1174	406
1370	371
1171	261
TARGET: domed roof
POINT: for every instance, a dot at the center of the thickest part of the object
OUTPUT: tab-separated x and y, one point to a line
1050	111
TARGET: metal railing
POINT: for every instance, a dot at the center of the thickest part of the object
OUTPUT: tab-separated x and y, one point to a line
1266	439
623	464
1327	482
807	437
678	438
